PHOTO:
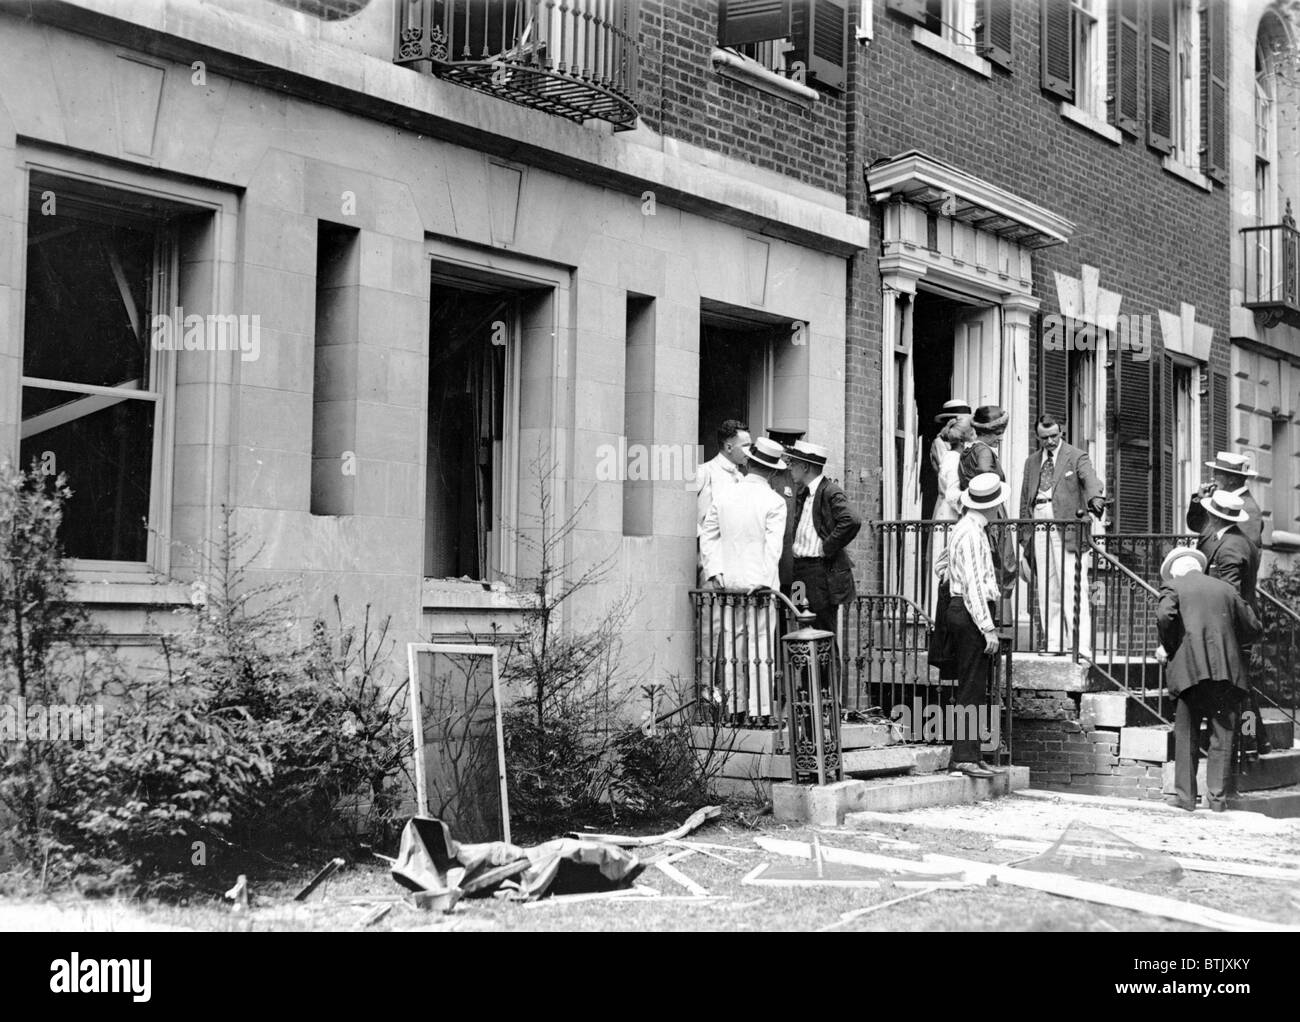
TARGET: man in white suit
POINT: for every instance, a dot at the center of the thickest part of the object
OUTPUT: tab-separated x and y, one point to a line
740	544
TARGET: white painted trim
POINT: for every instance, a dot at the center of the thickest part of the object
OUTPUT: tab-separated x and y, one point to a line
915	168
957	54
866	21
1192	177
751	72
1091	123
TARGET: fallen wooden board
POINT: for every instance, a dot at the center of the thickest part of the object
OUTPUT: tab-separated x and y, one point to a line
374	915
757	878
673	873
634	893
1233	869
851	857
703	850
1103	894
696	820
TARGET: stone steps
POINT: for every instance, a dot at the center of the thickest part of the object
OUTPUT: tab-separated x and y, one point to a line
1279	803
834	804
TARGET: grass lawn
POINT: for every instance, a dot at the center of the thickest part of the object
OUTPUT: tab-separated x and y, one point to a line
736	906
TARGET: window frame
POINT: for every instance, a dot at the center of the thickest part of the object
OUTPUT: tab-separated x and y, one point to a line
162	364
1185	90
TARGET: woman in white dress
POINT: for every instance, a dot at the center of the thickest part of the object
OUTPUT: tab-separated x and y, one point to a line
947	506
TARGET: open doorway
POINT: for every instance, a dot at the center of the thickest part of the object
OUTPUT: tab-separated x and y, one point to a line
933	325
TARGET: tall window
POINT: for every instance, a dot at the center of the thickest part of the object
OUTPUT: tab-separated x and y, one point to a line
1089	30
100	266
1265	140
1186	431
1186	106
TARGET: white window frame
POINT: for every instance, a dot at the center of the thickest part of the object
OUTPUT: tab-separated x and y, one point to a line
1188	474
1185	112
1266	155
161	386
1088	25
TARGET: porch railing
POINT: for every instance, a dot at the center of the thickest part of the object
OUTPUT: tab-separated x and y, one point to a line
886	671
738	678
577	59
1275	659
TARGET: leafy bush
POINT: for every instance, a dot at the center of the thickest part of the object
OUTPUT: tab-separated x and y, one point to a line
247	741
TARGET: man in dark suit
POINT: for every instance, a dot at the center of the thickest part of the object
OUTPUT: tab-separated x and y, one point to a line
1231	472
824	525
1059	483
979	457
1204	625
783	483
1232	557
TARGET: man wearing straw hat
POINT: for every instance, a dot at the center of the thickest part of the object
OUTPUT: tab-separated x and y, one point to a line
972	637
1231	557
824	525
783	483
1204	627
741	548
1231	473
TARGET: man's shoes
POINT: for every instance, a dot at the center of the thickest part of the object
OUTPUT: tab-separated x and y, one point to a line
1174	800
973	769
1218	806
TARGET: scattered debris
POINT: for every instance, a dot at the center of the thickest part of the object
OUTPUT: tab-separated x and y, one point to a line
1094	853
374	915
431	861
1234	869
769	874
239	894
696	820
673	873
435	901
637	893
327	871
1102	894
857	913
850	857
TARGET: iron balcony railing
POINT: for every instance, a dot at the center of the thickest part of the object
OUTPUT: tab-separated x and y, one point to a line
1275	659
1272	272
577	59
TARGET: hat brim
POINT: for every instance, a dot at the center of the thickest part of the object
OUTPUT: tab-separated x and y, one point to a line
1245	473
778	466
817	462
1177	554
1001	498
1241	516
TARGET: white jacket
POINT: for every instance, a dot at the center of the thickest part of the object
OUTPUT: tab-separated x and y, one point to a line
742	535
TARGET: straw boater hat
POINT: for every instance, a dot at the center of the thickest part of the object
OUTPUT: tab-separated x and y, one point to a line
952	409
808	453
785	435
765	452
985	491
1226	505
1177	554
990	419
1236	464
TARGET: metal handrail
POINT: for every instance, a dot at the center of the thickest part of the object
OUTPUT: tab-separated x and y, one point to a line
1286	611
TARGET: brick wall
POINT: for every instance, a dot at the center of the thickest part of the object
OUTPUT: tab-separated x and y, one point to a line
1066	750
1157	239
682	96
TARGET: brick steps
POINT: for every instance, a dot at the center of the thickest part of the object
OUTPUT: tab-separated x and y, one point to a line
1280	803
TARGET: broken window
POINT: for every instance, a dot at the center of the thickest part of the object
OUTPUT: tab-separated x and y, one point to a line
97	270
471	344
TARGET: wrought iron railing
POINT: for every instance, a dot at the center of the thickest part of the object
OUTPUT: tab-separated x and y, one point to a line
1275	659
577	59
1271	256
738	656
886	671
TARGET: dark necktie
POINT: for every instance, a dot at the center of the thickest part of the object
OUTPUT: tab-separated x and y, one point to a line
1045	478
799	502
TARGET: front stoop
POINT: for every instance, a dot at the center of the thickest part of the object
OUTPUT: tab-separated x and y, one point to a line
1275	770
834	804
1279	803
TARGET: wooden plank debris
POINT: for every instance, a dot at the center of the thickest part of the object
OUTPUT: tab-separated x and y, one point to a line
696	820
326	871
851	857
374	915
1103	894
675	874
1234	869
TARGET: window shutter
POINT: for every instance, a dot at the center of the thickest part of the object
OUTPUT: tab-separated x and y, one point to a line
752	21
1160	71
1058	49
913	10
1164	406
1053	371
1125	83
828	40
1219	411
993	37
1215	106
1134	441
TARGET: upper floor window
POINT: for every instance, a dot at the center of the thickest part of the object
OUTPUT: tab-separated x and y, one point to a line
803	39
981	28
1187	83
953	20
1187	74
1074	53
1265	141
